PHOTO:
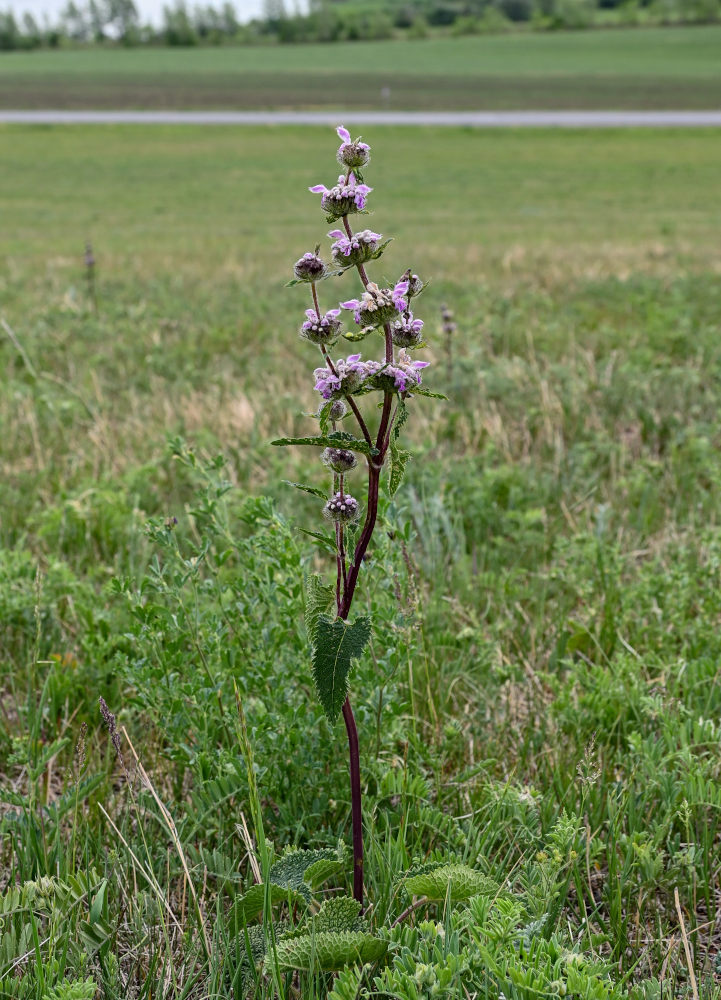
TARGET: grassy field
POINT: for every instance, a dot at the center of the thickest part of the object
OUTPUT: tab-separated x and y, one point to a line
639	68
542	695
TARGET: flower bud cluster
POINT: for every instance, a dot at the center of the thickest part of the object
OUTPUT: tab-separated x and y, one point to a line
321	329
344	198
378	306
348	251
340	460
351	154
342	507
309	268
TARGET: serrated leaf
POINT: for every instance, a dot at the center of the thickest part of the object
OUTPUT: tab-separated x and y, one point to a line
320	871
336	644
313	490
401	418
295	867
326	541
251	903
324	416
328	951
436	881
336	439
378	253
420	391
399	458
318	600
293	282
339	913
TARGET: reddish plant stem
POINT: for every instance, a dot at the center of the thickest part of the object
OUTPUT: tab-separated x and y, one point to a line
350	579
355	795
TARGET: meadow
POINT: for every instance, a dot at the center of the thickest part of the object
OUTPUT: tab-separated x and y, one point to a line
541	697
655	68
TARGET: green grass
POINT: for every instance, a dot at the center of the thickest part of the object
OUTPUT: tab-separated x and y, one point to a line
542	693
645	67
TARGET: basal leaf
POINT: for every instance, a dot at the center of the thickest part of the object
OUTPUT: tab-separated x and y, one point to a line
336	644
328	950
437	881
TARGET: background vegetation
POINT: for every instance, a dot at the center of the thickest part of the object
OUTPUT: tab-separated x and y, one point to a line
543	692
645	68
102	22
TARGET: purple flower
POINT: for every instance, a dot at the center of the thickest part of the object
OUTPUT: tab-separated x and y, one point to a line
357	248
406	331
349	375
399	295
376	306
345	197
351	154
321	329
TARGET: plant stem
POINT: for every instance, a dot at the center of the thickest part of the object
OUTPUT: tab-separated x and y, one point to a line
355	793
350	579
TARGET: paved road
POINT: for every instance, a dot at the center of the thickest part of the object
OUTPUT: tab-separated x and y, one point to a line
476	119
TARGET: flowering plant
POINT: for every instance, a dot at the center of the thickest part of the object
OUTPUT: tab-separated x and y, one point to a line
397	377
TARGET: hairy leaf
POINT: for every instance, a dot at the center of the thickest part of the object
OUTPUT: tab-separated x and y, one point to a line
251	903
328	950
420	391
336	439
313	490
436	880
399	457
339	913
318	599
326	541
336	644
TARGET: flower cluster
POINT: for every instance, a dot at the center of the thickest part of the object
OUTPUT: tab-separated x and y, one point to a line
406	331
378	306
321	329
345	377
349	251
344	198
342	507
351	154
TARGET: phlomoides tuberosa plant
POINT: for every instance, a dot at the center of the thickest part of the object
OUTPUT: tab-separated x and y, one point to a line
342	384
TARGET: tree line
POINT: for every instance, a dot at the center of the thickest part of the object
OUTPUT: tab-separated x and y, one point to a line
118	22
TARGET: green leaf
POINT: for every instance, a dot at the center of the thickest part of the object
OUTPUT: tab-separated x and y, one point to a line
324	417
399	457
250	904
379	252
313	490
436	881
326	541
318	601
339	913
400	418
420	391
297	869
336	644
328	951
337	439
